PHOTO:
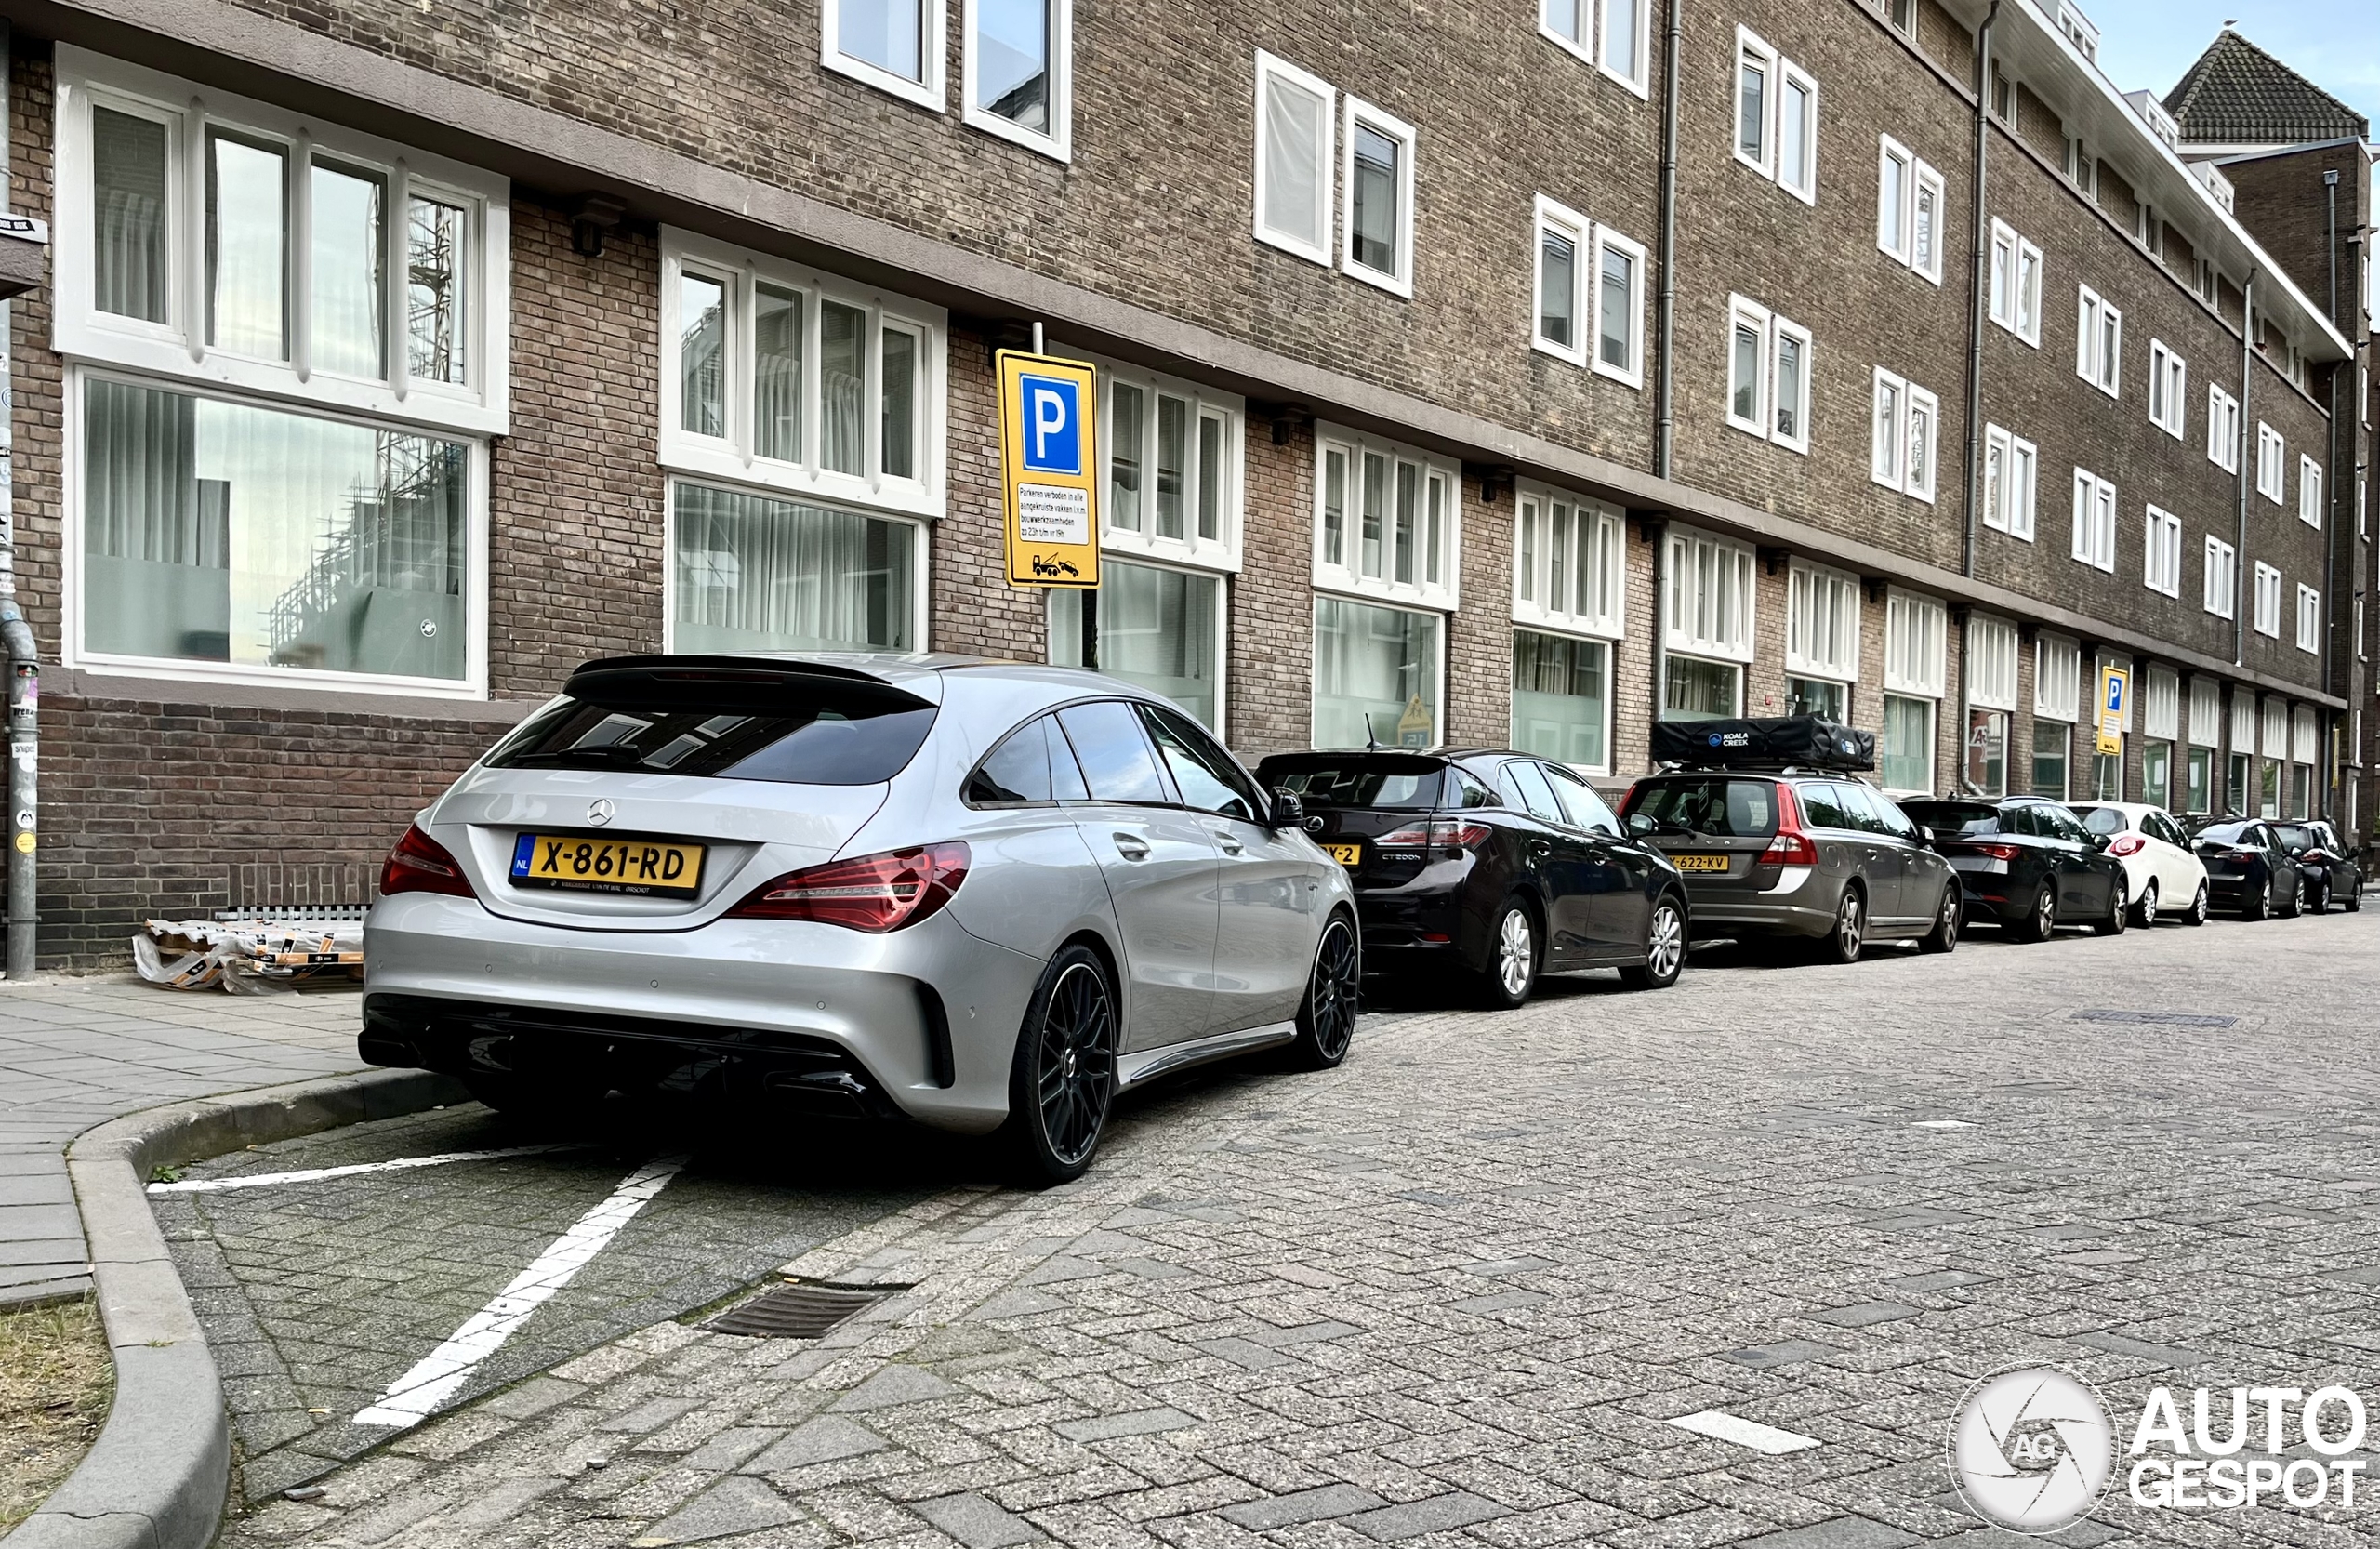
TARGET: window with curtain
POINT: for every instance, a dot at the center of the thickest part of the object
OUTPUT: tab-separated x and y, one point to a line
1173	453
132	258
222	532
2052	745
1905	752
1294	176
754	573
1157	628
1693	689
1566	562
1561	698
1375	675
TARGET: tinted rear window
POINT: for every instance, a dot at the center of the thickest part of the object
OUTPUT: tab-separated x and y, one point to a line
1724	808
2103	820
2297	834
1358	780
803	734
1954	819
2226	833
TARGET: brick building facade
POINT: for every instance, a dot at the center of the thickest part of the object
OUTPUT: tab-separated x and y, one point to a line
396	359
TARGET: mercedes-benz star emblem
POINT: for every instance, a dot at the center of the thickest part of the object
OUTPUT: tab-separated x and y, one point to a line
599	811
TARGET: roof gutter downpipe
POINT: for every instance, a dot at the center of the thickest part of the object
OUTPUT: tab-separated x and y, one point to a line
1979	280
24	659
2240	545
1665	323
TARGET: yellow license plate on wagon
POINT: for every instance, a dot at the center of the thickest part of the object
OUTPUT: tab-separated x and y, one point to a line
1345	855
1699	863
651	867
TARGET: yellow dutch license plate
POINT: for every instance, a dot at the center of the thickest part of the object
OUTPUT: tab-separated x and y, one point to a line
1345	855
608	864
1699	863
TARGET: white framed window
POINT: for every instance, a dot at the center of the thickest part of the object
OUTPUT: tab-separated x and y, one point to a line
2098	343
1564	249
1376	674
894	46
1613	35
753	570
2273	742
1018	72
2162	548
2168	375
2309	619
1797	132
1768	375
1619	337
1562	699
1160	627
1568	563
777	374
2057	677
2266	618
2222	430
1296	136
2206	711
2016	283
1378	178
2221	578
2272	455
1905	433
1909	204
1916	638
2010	479
1821	623
178	219
1777	117
2309	492
1387	521
1171	454
1707	607
1992	663
2094	521
1755	103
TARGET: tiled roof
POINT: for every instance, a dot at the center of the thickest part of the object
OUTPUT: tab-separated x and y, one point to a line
2238	94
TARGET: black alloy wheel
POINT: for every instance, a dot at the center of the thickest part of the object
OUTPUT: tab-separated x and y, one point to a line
2196	914
2294	902
1664	949
1842	944
1063	1079
1326	1017
2039	921
1944	937
2255	902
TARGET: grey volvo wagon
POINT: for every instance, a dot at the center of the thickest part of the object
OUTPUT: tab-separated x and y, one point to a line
984	895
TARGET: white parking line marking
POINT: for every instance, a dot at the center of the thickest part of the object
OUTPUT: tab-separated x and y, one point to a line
1720	1425
434	1378
314	1174
1943	1124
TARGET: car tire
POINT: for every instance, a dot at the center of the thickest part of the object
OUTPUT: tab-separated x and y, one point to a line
2119	912
1944	937
2354	902
2255	902
2144	908
2196	913
1515	955
1327	1015
1843	944
1062	1082
1664	949
2295	905
2317	898
2040	920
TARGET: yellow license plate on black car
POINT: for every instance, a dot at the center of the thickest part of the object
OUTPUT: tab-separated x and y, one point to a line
652	867
1345	855
1699	863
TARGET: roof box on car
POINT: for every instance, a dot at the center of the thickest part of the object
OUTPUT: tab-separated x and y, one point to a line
1769	742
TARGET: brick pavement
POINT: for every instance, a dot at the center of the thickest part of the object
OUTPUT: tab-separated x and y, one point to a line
77	1052
1453	1293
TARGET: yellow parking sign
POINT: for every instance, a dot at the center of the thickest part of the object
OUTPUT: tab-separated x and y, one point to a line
1049	470
2114	684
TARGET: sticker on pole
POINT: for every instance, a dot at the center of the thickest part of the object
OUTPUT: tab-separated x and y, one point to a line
1048	467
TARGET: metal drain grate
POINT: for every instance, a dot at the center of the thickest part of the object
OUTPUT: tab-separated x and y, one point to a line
2168	1019
795	1312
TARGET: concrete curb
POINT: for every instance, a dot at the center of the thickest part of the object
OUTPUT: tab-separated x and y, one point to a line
157	1477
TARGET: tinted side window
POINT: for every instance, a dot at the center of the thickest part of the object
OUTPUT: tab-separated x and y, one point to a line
1895	820
1525	783
2027	820
2167	829
1859	810
1820	807
1473	793
1116	762
1017	772
2061	824
1065	775
1579	800
1204	773
1733	809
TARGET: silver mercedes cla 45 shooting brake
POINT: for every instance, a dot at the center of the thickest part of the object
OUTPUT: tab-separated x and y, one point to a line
984	895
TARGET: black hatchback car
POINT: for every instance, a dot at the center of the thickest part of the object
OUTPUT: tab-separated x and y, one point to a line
2328	873
2027	865
1492	864
2249	869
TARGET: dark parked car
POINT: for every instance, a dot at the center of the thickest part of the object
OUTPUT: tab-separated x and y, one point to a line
1493	864
1817	857
2328	872
2250	869
2028	866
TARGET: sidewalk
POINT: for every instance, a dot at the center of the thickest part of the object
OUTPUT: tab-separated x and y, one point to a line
77	1052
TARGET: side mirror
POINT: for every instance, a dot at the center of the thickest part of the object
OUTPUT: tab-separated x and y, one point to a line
1926	836
1288	812
1641	824
2100	842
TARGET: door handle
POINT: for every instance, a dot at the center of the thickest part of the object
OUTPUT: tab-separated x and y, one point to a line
1229	840
1132	847
1539	847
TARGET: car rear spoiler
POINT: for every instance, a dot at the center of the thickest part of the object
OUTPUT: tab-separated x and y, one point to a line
737	684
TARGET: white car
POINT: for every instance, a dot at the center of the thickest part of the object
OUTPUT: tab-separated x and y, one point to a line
2162	872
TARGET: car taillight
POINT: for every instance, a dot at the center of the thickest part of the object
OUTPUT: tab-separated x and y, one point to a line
2000	851
419	864
874	894
1790	847
2126	844
1449	834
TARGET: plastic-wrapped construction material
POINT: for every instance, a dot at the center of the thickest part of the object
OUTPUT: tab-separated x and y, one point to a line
249	955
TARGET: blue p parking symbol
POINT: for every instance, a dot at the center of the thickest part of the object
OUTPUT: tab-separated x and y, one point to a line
1051	422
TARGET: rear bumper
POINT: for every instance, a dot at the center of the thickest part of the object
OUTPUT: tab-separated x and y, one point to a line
1787	907
920	1022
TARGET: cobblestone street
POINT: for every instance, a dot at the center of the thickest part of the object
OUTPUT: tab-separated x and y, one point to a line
1453	1293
